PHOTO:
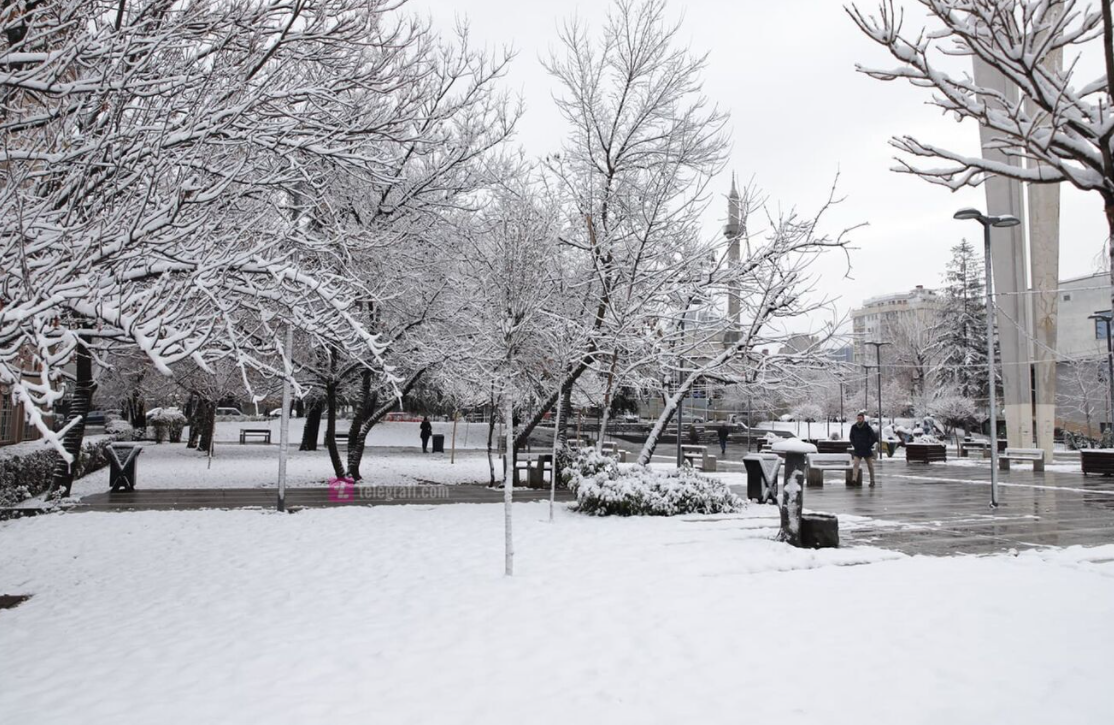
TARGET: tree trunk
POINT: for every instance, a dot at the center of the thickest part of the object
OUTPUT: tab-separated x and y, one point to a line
356	435
312	430
193	417
508	486
539	415
207	423
331	428
491	439
63	473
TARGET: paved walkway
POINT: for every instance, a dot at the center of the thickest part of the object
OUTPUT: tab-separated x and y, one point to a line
944	508
296	498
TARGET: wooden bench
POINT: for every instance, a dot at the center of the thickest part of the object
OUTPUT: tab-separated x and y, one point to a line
966	447
1097	462
925	453
823	446
820	462
1034	455
693	454
263	433
762	469
613	450
534	470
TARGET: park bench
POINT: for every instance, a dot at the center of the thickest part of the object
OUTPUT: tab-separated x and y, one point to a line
698	455
925	453
1033	455
762	470
612	450
262	433
823	446
533	470
1096	461
820	462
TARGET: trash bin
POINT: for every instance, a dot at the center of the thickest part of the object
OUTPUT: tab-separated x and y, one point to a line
438	443
122	459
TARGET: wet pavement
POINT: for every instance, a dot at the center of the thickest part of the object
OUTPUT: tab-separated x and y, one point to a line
943	508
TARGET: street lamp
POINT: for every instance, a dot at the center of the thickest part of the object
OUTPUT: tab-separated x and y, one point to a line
1107	317
1001	221
878	359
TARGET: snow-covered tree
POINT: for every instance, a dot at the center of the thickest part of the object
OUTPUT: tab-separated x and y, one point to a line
962	326
505	287
1083	392
633	179
152	150
952	408
1056	128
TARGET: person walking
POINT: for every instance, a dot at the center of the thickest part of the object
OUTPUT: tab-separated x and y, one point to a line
863	439
427	431
723	433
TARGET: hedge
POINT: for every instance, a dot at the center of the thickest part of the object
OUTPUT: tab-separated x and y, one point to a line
26	475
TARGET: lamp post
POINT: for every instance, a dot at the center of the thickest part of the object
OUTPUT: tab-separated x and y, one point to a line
1107	317
1002	221
878	359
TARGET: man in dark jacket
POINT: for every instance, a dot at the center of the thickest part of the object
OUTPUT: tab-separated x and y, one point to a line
427	431
723	432
863	439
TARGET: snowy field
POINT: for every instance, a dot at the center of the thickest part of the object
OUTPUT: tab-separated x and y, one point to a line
175	466
402	615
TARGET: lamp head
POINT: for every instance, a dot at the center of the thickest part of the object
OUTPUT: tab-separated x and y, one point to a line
964	214
1004	220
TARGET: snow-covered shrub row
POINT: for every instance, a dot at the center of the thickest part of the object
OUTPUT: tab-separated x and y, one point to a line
121	430
168	422
603	488
25	475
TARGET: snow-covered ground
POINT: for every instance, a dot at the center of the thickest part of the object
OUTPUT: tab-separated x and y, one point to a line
468	435
401	615
172	465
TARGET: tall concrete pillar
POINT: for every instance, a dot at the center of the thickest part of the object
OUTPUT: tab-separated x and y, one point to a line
1009	258
1044	252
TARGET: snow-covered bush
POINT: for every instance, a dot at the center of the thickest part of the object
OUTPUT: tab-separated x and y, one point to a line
603	488
24	475
120	429
168	422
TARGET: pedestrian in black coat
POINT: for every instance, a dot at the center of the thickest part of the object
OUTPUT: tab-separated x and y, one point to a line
427	431
863	439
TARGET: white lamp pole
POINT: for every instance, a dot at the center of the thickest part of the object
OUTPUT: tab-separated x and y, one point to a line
1002	221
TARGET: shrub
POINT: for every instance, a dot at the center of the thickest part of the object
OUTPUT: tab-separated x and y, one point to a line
602	488
24	475
120	430
168	423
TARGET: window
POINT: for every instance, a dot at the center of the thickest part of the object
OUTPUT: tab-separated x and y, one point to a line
6	419
1066	297
1100	329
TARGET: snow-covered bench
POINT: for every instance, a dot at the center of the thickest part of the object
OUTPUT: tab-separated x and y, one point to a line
820	462
613	450
693	454
1033	455
263	433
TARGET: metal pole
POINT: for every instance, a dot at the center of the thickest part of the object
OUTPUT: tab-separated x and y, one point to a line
284	425
841	419
680	423
990	368
1110	370
878	359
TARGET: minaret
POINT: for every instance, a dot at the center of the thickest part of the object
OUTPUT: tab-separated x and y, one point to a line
735	229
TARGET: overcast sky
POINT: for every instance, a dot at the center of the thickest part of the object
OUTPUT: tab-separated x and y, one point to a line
785	71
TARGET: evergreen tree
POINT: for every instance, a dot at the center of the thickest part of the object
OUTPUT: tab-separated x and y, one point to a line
962	336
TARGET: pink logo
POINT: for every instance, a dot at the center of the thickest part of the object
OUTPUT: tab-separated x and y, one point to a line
342	490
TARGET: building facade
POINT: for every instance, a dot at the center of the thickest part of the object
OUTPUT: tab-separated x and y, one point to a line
879	315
